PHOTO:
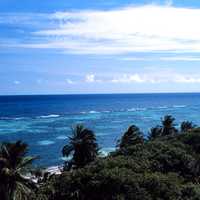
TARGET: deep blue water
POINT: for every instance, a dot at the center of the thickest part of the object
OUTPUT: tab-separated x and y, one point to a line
44	122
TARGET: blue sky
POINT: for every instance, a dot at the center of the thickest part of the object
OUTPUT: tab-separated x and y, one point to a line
98	46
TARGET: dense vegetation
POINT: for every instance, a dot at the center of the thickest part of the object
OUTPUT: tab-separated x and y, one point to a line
164	166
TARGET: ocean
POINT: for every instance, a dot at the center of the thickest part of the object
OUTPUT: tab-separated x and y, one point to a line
44	122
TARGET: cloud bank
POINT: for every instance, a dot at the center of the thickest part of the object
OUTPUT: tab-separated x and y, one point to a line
151	77
147	28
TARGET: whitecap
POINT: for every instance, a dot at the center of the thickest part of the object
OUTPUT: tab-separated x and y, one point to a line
19	118
12	118
45	142
90	112
179	106
49	116
61	137
93	112
162	107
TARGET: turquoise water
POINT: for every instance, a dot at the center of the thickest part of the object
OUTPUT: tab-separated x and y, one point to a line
45	122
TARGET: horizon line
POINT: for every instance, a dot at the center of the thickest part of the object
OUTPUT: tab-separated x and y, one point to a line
117	93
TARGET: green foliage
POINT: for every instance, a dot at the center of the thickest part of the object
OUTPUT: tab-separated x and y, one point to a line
132	136
155	132
166	129
166	157
192	139
165	168
191	192
82	147
187	126
168	126
116	183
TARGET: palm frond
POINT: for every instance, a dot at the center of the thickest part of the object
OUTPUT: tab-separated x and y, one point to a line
67	149
22	192
4	151
81	146
26	161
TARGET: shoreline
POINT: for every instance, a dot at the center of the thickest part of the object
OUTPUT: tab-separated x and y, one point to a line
54	170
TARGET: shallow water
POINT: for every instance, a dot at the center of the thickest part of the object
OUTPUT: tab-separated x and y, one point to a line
44	122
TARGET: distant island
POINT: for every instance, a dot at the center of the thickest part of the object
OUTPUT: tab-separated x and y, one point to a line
164	165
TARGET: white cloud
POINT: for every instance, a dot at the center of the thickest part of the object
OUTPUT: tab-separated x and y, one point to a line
17	82
162	77
70	82
131	29
187	79
180	58
166	58
90	78
132	78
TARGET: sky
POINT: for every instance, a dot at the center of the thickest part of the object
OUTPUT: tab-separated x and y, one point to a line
99	46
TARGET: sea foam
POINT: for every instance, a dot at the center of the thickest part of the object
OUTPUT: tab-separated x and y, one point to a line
179	106
61	137
46	142
93	112
49	116
89	112
136	109
12	118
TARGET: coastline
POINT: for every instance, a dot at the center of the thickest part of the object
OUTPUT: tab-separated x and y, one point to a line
54	170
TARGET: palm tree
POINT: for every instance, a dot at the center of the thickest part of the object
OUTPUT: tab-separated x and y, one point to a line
187	126
82	148
155	132
168	126
132	136
13	165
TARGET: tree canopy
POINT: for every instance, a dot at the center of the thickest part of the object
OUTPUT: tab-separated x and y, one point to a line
82	148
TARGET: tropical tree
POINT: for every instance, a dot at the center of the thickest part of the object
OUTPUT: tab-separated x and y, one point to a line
82	148
155	132
13	165
168	126
187	126
132	136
